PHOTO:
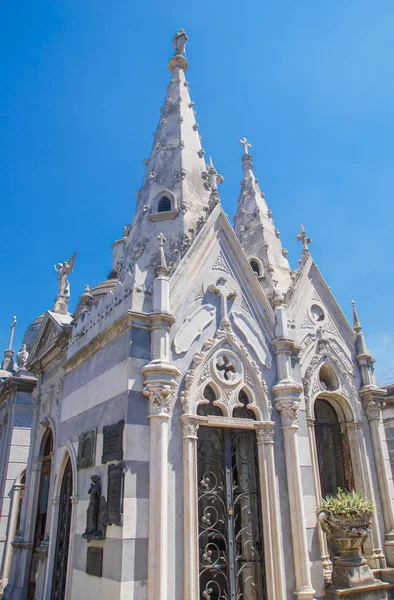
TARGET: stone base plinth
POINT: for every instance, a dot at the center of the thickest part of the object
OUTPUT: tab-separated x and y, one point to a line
351	576
375	591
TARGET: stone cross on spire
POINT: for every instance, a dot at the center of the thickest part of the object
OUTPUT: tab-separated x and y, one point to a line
245	144
302	237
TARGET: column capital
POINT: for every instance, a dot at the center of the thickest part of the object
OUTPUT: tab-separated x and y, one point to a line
373	410
265	433
288	414
190	431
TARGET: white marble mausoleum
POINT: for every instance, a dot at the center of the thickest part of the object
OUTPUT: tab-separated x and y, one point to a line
172	438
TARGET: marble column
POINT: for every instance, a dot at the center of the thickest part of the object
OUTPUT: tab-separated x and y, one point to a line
190	504
363	482
373	412
273	555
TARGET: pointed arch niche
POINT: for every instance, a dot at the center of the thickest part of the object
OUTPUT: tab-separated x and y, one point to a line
336	440
228	437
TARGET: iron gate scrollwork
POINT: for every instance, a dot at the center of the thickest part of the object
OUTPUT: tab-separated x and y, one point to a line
63	536
231	560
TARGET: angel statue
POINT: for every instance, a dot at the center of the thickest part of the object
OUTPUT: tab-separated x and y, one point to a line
62	270
179	42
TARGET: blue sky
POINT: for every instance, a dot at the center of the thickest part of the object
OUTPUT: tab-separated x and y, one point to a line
310	84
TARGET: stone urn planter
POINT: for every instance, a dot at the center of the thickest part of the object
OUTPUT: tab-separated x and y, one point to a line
346	520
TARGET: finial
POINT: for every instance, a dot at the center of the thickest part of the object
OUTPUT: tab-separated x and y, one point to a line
12	333
162	269
212	180
356	323
302	237
245	144
179	44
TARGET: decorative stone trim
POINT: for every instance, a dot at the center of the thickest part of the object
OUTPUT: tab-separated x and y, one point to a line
190	430
56	500
289	415
160	398
74	499
265	433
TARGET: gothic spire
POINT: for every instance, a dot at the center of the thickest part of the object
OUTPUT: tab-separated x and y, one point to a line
178	189
257	233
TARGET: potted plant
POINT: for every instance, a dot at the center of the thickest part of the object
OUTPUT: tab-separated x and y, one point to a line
346	519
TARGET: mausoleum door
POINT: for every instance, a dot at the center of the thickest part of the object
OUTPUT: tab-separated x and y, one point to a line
231	560
63	536
332	450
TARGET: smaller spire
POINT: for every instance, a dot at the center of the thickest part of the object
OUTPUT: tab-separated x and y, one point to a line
356	323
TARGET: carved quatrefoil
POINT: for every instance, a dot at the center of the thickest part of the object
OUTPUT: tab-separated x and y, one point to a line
226	367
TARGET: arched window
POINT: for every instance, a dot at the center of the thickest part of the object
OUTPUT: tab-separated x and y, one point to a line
243	412
164	204
256	267
208	408
332	450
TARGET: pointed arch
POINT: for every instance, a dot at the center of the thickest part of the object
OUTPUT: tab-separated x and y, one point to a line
227	379
68	453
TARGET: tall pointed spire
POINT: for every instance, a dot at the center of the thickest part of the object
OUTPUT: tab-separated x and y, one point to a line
179	189
257	233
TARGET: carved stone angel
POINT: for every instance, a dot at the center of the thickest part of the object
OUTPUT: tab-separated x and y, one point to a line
62	270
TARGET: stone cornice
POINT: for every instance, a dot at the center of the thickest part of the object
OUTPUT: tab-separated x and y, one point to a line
128	320
16	384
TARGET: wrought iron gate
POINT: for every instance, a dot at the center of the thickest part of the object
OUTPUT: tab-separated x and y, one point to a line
63	536
229	513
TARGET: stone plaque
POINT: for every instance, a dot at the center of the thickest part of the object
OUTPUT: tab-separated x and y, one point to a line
87	449
113	442
94	562
115	494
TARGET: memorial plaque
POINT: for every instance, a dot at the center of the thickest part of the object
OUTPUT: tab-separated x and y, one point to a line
87	449
115	494
94	561
113	442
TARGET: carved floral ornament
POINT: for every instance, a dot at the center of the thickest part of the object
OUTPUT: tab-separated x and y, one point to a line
160	398
313	382
226	367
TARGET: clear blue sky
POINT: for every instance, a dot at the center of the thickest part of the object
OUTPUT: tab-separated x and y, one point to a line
310	84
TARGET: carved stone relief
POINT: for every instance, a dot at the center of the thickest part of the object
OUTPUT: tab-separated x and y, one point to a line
87	449
193	326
